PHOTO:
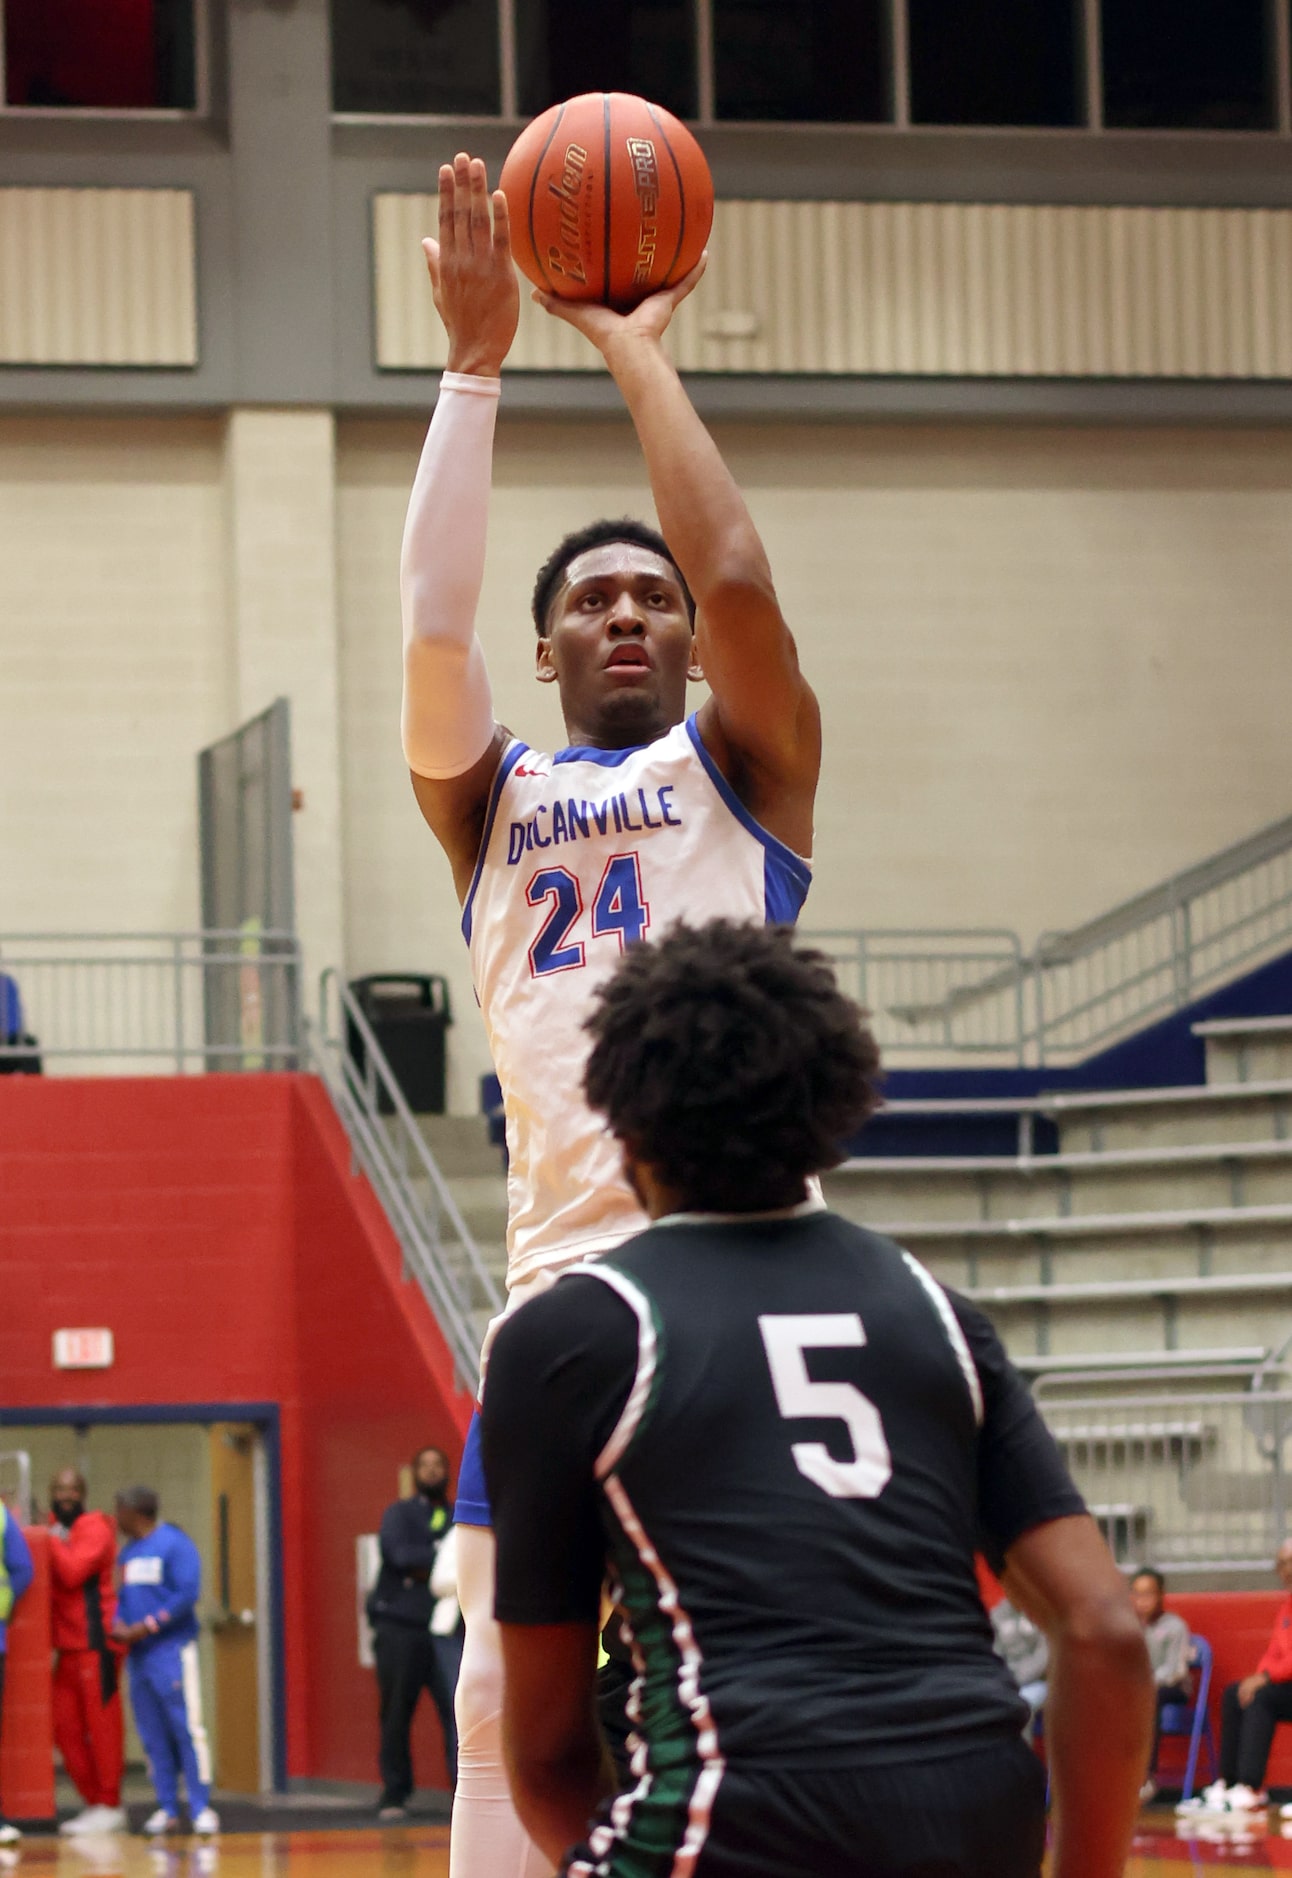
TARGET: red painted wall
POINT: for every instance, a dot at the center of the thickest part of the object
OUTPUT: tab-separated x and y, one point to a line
214	1224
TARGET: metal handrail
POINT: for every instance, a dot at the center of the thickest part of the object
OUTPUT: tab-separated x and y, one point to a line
976	992
437	1246
122	996
1267	844
1201	1478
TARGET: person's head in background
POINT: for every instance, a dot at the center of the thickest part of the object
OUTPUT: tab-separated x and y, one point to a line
431	1474
137	1509
1147	1587
67	1496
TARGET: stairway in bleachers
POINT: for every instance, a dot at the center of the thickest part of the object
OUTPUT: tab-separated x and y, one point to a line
1160	1230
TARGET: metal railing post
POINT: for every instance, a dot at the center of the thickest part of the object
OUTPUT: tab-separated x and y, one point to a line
1181	953
177	968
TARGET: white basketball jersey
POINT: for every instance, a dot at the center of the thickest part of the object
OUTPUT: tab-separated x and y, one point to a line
583	853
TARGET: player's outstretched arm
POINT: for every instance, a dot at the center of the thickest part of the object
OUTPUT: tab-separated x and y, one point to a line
450	739
763	725
1099	1711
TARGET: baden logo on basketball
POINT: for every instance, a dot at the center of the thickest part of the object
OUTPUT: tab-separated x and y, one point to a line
610	197
641	152
564	255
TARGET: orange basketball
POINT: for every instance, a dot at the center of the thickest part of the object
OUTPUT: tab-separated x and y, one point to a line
610	199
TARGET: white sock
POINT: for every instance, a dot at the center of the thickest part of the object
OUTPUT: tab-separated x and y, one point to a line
487	1840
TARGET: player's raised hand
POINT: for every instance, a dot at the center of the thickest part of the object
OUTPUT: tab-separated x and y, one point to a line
472	276
605	328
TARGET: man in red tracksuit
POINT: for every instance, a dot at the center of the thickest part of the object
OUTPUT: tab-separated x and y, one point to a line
88	1727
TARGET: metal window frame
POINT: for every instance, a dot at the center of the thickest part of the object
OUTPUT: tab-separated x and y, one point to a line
1090	64
113	114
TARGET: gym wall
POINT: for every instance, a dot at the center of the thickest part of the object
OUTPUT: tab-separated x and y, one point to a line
1044	657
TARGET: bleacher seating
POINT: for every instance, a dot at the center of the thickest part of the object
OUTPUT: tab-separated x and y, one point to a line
1141	1274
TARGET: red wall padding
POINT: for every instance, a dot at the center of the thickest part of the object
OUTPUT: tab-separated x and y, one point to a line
27	1728
215	1225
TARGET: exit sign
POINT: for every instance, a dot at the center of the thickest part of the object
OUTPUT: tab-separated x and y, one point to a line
83	1349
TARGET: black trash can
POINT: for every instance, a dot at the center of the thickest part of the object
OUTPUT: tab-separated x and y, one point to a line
409	1014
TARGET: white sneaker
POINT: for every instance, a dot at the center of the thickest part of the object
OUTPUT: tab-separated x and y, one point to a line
1245	1800
1211	1800
95	1819
159	1822
9	1835
207	1823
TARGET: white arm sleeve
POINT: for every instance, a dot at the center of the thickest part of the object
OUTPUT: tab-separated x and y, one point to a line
447	720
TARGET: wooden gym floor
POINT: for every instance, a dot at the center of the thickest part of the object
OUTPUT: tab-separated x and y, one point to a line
423	1852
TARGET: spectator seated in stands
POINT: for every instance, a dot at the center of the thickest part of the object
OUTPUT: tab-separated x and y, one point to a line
1250	1712
1026	1655
1170	1649
18	1051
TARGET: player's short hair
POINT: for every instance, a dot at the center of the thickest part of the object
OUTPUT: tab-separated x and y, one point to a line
627	528
430	1448
729	1059
139	1500
1150	1571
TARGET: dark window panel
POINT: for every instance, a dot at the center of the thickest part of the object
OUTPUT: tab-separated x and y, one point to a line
996	62
564	47
416	57
804	61
107	55
1188	64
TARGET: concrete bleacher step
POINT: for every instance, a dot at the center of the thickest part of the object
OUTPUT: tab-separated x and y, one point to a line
1203	1115
474	1172
1247	1049
1111	1293
1223	1364
1118	1180
461	1145
1173	1436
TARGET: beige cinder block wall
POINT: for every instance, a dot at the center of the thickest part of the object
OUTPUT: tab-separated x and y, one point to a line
160	581
1054	663
114	667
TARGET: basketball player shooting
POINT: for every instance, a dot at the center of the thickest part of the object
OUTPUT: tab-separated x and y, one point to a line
561	861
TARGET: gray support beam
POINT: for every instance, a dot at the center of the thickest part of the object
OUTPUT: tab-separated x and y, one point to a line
281	187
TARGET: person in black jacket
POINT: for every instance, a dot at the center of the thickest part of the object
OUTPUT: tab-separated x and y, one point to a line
399	1609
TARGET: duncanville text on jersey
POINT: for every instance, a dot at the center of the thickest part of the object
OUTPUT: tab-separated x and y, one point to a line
581	820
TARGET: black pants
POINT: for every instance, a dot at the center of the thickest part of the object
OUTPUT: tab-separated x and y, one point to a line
1247	1734
408	1662
974	1815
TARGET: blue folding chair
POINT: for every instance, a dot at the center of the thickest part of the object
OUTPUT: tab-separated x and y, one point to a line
1192	1718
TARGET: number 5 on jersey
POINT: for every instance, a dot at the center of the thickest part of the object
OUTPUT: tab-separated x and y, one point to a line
617	907
786	1340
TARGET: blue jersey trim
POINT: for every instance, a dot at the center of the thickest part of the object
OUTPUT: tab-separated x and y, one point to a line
509	761
786	875
608	759
472	1507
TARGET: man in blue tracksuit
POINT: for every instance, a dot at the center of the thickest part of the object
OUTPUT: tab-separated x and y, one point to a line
161	1579
16	1573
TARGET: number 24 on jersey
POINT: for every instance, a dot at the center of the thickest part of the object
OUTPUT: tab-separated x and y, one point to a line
619	910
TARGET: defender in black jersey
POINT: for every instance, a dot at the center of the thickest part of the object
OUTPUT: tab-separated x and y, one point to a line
784	1441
